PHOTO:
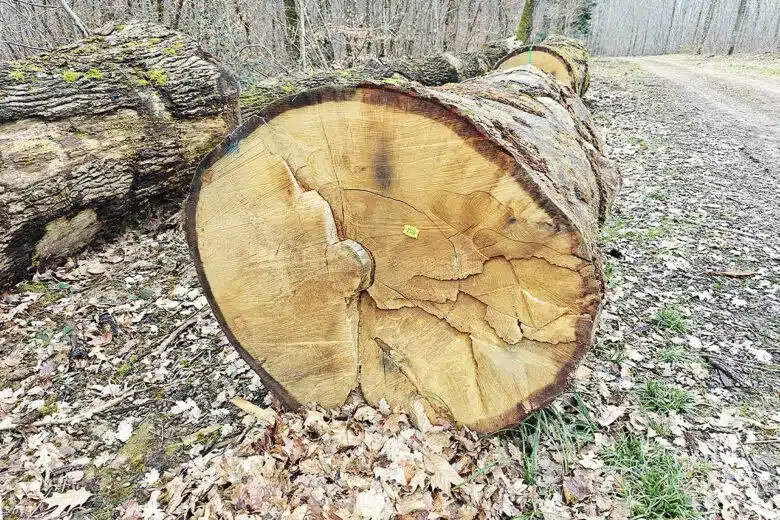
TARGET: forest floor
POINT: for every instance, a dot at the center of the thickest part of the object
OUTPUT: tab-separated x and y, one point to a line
116	381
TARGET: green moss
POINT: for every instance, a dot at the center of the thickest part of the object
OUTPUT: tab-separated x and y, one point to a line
525	26
93	74
157	76
289	88
121	26
153	41
70	76
123	369
142	82
36	287
174	49
16	75
345	73
50	406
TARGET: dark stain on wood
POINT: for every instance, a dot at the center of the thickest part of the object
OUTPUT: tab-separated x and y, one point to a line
383	173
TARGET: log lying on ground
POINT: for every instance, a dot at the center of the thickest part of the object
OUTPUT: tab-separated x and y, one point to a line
565	58
435	247
436	69
91	130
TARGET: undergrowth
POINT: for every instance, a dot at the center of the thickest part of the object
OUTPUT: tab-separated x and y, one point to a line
566	431
651	479
658	396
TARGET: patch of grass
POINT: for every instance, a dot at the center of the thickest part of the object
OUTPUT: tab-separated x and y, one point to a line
568	431
16	75
660	428
612	273
658	396
658	194
612	351
671	318
613	229
673	354
652	480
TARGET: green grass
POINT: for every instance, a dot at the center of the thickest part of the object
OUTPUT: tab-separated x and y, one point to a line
673	354
651	479
612	273
670	318
613	229
658	396
658	194
568	431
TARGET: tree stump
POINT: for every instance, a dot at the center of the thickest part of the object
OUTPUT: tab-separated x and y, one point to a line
92	130
564	58
434	247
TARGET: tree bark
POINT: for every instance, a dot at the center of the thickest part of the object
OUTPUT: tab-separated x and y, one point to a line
564	58
431	70
434	247
707	25
737	25
526	25
91	130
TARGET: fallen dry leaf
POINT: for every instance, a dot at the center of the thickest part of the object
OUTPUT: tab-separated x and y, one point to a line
263	414
68	500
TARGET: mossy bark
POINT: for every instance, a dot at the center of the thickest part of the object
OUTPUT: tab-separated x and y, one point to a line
430	70
92	130
526	24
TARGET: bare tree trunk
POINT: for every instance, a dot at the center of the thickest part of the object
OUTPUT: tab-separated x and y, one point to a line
737	25
526	25
291	18
707	25
671	27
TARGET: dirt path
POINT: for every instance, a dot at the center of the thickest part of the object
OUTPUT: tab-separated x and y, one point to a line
748	103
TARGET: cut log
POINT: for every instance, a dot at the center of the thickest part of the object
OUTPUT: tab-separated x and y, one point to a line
564	58
432	70
91	130
434	247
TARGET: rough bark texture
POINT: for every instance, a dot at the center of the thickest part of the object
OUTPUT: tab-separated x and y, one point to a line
93	129
430	70
565	58
434	247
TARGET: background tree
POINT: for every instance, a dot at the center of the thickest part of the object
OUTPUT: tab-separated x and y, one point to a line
526	24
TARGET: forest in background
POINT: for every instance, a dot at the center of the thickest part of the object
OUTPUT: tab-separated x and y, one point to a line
261	38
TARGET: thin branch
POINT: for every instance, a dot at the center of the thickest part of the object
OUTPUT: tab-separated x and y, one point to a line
76	20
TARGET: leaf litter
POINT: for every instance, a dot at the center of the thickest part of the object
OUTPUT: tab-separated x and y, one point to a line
121	398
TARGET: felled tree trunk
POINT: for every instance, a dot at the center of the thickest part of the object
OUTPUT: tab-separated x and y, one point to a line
430	70
434	247
93	129
564	58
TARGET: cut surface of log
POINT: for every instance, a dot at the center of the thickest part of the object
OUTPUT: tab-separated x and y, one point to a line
91	130
436	69
564	58
433	247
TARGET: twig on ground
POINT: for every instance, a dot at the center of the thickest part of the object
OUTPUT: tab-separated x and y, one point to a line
170	338
71	420
734	274
723	368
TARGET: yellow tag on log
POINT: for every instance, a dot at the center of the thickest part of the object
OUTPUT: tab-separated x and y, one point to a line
411	231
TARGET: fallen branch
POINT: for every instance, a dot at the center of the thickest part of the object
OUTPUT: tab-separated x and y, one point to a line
734	274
